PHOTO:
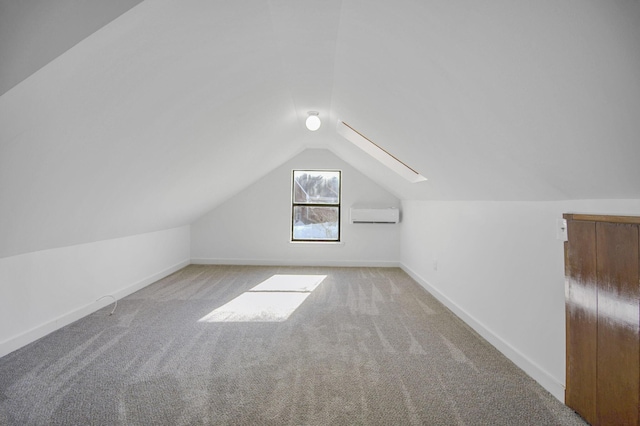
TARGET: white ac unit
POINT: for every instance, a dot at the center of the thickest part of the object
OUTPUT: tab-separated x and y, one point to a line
388	215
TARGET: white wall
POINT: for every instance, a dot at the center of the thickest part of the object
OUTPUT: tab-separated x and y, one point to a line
499	266
45	290
254	226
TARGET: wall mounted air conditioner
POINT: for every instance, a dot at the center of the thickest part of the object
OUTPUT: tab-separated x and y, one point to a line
388	215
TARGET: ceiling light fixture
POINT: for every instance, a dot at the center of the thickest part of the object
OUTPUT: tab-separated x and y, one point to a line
371	148
313	121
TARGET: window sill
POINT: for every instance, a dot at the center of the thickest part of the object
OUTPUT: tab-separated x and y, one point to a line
333	243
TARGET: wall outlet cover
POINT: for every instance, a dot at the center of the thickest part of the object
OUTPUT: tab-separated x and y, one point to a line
561	230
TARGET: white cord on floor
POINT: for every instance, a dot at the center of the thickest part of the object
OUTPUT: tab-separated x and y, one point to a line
114	299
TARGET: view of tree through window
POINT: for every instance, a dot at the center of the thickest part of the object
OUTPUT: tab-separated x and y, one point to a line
316	205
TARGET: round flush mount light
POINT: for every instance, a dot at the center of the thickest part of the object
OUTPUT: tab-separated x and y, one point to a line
313	121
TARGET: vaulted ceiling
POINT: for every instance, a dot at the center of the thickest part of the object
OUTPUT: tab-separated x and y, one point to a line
142	116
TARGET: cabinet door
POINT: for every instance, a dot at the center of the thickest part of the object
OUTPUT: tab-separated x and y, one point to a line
618	324
582	320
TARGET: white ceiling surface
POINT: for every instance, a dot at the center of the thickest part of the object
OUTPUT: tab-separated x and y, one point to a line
174	107
34	32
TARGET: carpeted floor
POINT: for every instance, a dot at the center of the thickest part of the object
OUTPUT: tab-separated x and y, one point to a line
366	346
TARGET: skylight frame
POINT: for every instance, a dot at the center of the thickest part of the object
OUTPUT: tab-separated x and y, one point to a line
379	153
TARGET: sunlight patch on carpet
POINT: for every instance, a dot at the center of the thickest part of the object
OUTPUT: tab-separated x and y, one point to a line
273	300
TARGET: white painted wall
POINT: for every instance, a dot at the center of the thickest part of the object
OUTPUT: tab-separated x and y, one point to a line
499	266
254	226
45	290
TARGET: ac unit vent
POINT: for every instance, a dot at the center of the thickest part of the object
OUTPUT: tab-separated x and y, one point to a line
388	215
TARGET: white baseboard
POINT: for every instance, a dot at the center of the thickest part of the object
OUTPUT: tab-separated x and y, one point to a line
40	331
546	380
292	262
149	280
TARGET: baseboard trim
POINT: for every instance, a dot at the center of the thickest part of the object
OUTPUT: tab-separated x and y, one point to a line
292	262
537	373
40	331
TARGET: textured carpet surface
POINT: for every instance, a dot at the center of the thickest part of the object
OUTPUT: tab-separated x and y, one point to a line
366	346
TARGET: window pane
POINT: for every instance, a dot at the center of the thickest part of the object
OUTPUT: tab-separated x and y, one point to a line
315	223
316	187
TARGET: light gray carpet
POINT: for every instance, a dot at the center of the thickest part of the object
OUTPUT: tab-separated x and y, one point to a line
367	346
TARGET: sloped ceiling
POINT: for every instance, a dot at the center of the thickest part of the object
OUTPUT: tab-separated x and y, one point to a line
34	32
174	106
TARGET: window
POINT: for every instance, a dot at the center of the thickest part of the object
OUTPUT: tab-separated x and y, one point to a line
315	211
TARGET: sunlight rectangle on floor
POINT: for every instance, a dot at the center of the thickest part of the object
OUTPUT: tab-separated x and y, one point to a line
273	300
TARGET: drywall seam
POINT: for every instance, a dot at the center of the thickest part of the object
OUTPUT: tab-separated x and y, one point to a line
42	330
297	262
540	375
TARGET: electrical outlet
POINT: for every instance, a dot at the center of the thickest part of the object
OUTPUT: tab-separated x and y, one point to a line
561	230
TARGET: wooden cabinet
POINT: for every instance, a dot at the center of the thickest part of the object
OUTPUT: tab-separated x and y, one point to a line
602	268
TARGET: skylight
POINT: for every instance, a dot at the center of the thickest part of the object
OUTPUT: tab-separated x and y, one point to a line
371	148
273	300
